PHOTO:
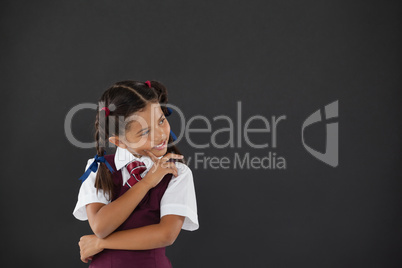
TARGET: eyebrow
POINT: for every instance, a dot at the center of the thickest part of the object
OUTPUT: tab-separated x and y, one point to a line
148	127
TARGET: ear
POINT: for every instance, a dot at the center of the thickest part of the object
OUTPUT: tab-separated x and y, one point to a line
115	140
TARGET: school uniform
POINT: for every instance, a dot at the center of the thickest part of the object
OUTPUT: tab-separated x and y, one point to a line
173	195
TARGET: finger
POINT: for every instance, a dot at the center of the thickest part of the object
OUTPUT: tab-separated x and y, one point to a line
174	156
169	156
174	172
173	169
168	165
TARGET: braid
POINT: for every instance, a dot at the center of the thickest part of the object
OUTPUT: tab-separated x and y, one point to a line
100	132
104	178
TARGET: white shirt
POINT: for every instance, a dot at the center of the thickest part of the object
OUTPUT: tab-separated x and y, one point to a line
178	199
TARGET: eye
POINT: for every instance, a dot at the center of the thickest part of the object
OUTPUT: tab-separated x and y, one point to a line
160	123
145	133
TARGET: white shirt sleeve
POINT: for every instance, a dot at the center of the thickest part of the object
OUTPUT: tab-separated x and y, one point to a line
87	195
179	198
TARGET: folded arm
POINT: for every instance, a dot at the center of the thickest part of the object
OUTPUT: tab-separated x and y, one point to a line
148	237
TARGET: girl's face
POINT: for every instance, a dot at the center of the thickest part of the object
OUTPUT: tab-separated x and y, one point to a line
149	130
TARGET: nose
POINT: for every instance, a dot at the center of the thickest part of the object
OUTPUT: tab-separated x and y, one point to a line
160	136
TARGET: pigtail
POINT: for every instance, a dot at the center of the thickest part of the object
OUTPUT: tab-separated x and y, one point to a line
161	91
104	179
173	149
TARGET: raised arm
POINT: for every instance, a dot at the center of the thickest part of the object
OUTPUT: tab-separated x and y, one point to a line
148	237
104	219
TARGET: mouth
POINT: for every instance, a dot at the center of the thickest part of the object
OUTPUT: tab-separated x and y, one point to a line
160	146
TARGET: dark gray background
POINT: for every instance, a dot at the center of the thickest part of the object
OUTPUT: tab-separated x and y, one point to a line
277	57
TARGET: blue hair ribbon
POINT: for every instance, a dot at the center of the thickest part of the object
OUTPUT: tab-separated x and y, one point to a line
173	135
169	111
94	167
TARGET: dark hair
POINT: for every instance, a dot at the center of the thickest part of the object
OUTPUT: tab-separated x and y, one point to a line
123	99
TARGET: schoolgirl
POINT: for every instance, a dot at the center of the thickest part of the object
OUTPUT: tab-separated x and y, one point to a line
139	198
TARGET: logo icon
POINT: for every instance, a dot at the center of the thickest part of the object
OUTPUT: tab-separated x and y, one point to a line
330	156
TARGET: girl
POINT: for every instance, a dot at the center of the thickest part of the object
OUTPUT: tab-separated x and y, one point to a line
138	199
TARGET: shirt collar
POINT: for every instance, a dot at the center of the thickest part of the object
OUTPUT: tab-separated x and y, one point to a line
123	157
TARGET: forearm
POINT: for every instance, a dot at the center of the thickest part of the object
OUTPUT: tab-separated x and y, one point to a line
147	237
112	215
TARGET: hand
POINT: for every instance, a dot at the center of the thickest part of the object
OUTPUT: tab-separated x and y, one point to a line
89	246
160	168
